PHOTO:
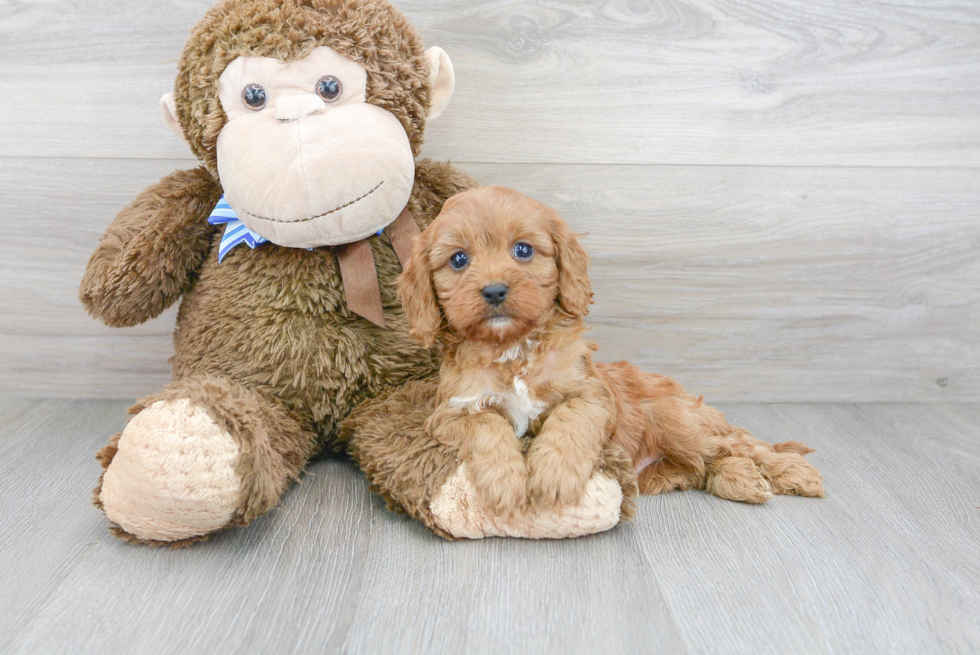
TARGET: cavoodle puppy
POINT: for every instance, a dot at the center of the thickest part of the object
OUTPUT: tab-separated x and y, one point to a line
502	283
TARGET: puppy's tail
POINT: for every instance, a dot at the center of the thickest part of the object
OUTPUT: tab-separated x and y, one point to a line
792	447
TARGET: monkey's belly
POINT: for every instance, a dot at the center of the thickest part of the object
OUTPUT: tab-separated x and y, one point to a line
274	320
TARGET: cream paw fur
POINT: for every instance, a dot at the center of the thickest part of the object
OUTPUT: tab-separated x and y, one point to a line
457	510
173	476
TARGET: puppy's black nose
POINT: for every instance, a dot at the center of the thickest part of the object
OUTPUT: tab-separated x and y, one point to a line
495	293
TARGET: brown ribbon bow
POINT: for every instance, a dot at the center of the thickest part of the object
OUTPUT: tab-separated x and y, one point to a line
358	272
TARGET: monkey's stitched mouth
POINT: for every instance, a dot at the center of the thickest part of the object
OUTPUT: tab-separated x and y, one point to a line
313	218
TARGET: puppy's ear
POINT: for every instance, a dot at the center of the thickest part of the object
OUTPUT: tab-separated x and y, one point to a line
574	286
418	296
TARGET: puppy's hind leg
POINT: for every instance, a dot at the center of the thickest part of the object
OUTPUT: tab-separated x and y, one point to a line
729	473
663	476
788	472
702	445
737	478
697	451
678	442
782	465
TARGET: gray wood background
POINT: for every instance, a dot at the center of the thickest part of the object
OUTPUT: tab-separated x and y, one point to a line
782	199
887	563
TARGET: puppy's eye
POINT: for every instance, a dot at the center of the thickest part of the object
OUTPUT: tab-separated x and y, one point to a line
459	261
329	88
523	251
254	97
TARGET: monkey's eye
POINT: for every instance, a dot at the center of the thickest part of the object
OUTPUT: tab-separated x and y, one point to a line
523	251
459	261
254	97
329	88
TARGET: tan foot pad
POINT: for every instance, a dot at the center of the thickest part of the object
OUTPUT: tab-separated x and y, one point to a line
457	511
174	474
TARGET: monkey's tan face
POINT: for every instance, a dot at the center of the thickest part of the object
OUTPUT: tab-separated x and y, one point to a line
304	160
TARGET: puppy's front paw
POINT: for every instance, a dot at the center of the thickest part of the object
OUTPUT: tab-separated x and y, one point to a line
556	480
502	488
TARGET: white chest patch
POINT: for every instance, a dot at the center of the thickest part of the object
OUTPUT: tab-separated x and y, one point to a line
517	350
518	405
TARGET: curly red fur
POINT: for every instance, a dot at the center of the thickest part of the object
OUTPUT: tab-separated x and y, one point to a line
521	365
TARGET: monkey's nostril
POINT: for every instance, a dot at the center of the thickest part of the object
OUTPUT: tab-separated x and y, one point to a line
495	294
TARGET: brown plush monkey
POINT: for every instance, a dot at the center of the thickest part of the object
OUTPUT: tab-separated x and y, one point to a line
307	116
284	247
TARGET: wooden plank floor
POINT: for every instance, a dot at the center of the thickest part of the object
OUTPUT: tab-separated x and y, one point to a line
888	563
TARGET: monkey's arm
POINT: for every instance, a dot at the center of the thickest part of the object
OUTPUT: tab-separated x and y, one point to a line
150	254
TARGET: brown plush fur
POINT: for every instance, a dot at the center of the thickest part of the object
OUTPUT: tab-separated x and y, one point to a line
522	365
275	320
143	265
407	455
264	341
274	445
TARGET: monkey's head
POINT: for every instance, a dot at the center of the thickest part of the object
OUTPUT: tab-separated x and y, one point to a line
309	112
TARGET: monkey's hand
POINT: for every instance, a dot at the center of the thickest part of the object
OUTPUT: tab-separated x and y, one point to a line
150	253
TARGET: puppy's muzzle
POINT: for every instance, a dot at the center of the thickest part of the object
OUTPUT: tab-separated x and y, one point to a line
495	294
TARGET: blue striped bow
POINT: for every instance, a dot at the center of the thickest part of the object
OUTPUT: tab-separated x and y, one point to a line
235	230
355	260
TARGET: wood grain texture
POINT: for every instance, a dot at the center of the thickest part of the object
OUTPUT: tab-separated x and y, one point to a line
885	564
798	82
783	199
901	514
745	283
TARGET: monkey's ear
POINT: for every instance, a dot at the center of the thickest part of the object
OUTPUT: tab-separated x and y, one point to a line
168	108
443	80
418	296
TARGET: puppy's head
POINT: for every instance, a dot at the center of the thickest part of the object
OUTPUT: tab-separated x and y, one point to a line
494	265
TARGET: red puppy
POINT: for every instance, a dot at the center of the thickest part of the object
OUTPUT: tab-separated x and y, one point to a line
502	283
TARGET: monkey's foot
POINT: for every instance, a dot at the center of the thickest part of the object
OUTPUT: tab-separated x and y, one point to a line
173	476
458	511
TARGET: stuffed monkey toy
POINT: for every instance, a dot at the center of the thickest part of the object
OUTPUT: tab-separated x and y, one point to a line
284	247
